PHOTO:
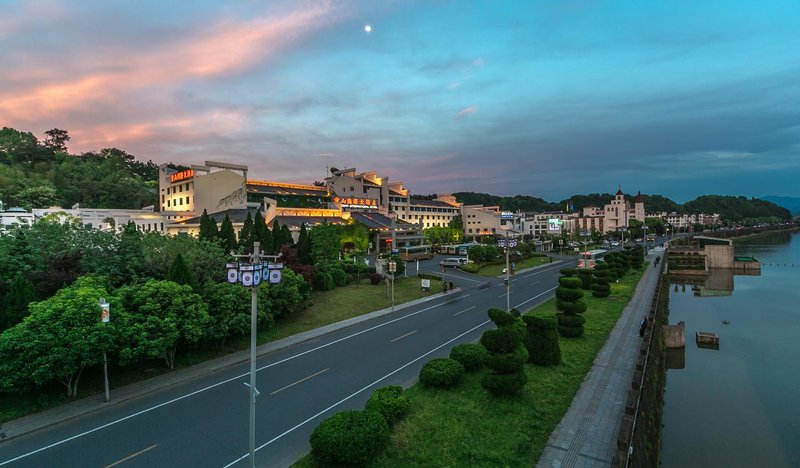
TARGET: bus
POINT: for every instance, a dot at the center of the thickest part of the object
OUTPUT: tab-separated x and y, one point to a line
588	259
416	252
456	249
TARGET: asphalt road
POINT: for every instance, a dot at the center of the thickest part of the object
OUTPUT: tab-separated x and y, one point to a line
204	422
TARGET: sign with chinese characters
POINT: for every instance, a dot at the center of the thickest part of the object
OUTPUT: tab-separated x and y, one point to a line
350	202
506	215
426	284
554	225
182	175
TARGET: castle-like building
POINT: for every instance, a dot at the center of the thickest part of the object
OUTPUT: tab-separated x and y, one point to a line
615	216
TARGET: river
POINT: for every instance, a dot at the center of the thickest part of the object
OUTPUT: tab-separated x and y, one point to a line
739	405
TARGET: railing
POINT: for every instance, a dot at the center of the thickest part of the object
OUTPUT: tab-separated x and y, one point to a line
639	435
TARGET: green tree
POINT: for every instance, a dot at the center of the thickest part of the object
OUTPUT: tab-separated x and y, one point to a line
60	337
43	196
655	226
163	315
208	227
325	243
14	304
246	235
287	297
229	309
262	234
227	235
304	246
507	355
56	140
635	228
570	305
179	273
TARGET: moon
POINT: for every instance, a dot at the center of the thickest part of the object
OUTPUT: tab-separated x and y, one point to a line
368	28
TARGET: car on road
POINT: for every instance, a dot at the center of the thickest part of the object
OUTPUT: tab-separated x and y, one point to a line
614	244
453	262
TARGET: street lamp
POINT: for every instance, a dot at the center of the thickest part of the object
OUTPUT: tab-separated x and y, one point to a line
507	244
105	317
249	274
392	270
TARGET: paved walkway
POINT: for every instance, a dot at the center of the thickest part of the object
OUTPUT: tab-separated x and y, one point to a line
587	434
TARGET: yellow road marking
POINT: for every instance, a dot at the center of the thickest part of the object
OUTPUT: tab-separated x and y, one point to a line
300	381
132	455
400	337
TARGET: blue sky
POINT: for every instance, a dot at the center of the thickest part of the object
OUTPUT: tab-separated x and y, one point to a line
546	98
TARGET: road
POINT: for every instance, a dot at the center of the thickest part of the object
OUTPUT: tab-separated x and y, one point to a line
203	422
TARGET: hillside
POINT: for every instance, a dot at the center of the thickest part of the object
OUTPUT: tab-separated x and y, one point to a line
40	174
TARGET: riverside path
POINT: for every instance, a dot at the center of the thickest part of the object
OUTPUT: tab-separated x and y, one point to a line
587	434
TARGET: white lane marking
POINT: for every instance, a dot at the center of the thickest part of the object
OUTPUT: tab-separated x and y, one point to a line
462	278
465	310
535	282
300	381
401	337
356	393
534	297
132	455
190	394
503	295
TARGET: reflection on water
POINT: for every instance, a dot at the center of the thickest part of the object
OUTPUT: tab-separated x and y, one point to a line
738	405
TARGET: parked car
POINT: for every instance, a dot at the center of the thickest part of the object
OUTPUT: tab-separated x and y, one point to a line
453	262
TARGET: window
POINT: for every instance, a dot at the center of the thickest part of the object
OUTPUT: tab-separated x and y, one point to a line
168	202
180	188
181	201
187	200
162	199
167	190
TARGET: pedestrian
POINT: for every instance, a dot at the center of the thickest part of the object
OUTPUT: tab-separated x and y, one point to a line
643	326
444	287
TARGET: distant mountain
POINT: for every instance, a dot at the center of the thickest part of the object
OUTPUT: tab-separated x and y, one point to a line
790	203
517	202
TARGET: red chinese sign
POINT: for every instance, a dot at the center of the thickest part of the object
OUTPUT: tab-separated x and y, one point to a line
182	175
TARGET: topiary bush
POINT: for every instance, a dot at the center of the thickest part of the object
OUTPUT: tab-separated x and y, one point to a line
390	402
375	278
350	437
585	274
541	340
441	372
506	354
568	272
569	304
602	281
339	277
470	355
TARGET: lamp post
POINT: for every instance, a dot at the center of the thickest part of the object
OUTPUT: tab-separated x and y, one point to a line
249	274
507	244
392	270
105	317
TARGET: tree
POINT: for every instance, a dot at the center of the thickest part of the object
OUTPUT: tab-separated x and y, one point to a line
261	233
283	299
227	235
601	286
208	227
569	305
229	310
60	337
457	223
507	355
56	140
655	226
246	235
304	246
43	196
541	340
14	304
635	228
179	273
162	316
325	243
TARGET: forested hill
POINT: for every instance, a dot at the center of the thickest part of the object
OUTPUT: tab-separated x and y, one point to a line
729	207
40	174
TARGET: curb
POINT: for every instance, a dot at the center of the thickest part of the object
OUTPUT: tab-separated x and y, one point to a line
91	404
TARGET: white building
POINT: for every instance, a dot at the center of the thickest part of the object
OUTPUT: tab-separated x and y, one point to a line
480	221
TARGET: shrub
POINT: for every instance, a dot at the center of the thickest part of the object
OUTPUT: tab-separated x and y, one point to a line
568	303
568	272
505	384
339	277
541	340
572	321
470	267
500	340
441	372
470	355
375	278
323	281
571	293
585	274
571	308
500	317
389	402
350	437
569	332
505	363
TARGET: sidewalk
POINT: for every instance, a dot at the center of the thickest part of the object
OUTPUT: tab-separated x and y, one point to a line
587	434
27	424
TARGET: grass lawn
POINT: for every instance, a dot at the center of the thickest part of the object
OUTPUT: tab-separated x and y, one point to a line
497	269
466	426
326	308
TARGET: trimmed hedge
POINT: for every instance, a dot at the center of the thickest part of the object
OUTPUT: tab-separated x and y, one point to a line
441	372
568	272
505	363
507	355
585	274
505	384
569	304
541	340
571	307
470	355
500	317
350	437
569	282
501	340
389	402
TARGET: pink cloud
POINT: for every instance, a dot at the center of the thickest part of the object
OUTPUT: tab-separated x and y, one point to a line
468	111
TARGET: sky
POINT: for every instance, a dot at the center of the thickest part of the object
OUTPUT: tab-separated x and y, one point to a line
543	98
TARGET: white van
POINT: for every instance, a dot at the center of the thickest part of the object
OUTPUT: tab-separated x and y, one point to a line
453	262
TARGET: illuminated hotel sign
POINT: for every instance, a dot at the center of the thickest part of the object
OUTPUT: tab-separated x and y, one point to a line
182	175
356	202
554	225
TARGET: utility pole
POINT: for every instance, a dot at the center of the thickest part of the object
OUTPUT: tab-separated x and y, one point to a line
507	243
105	317
392	270
249	274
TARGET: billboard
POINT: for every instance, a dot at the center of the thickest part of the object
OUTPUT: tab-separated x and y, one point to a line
554	225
